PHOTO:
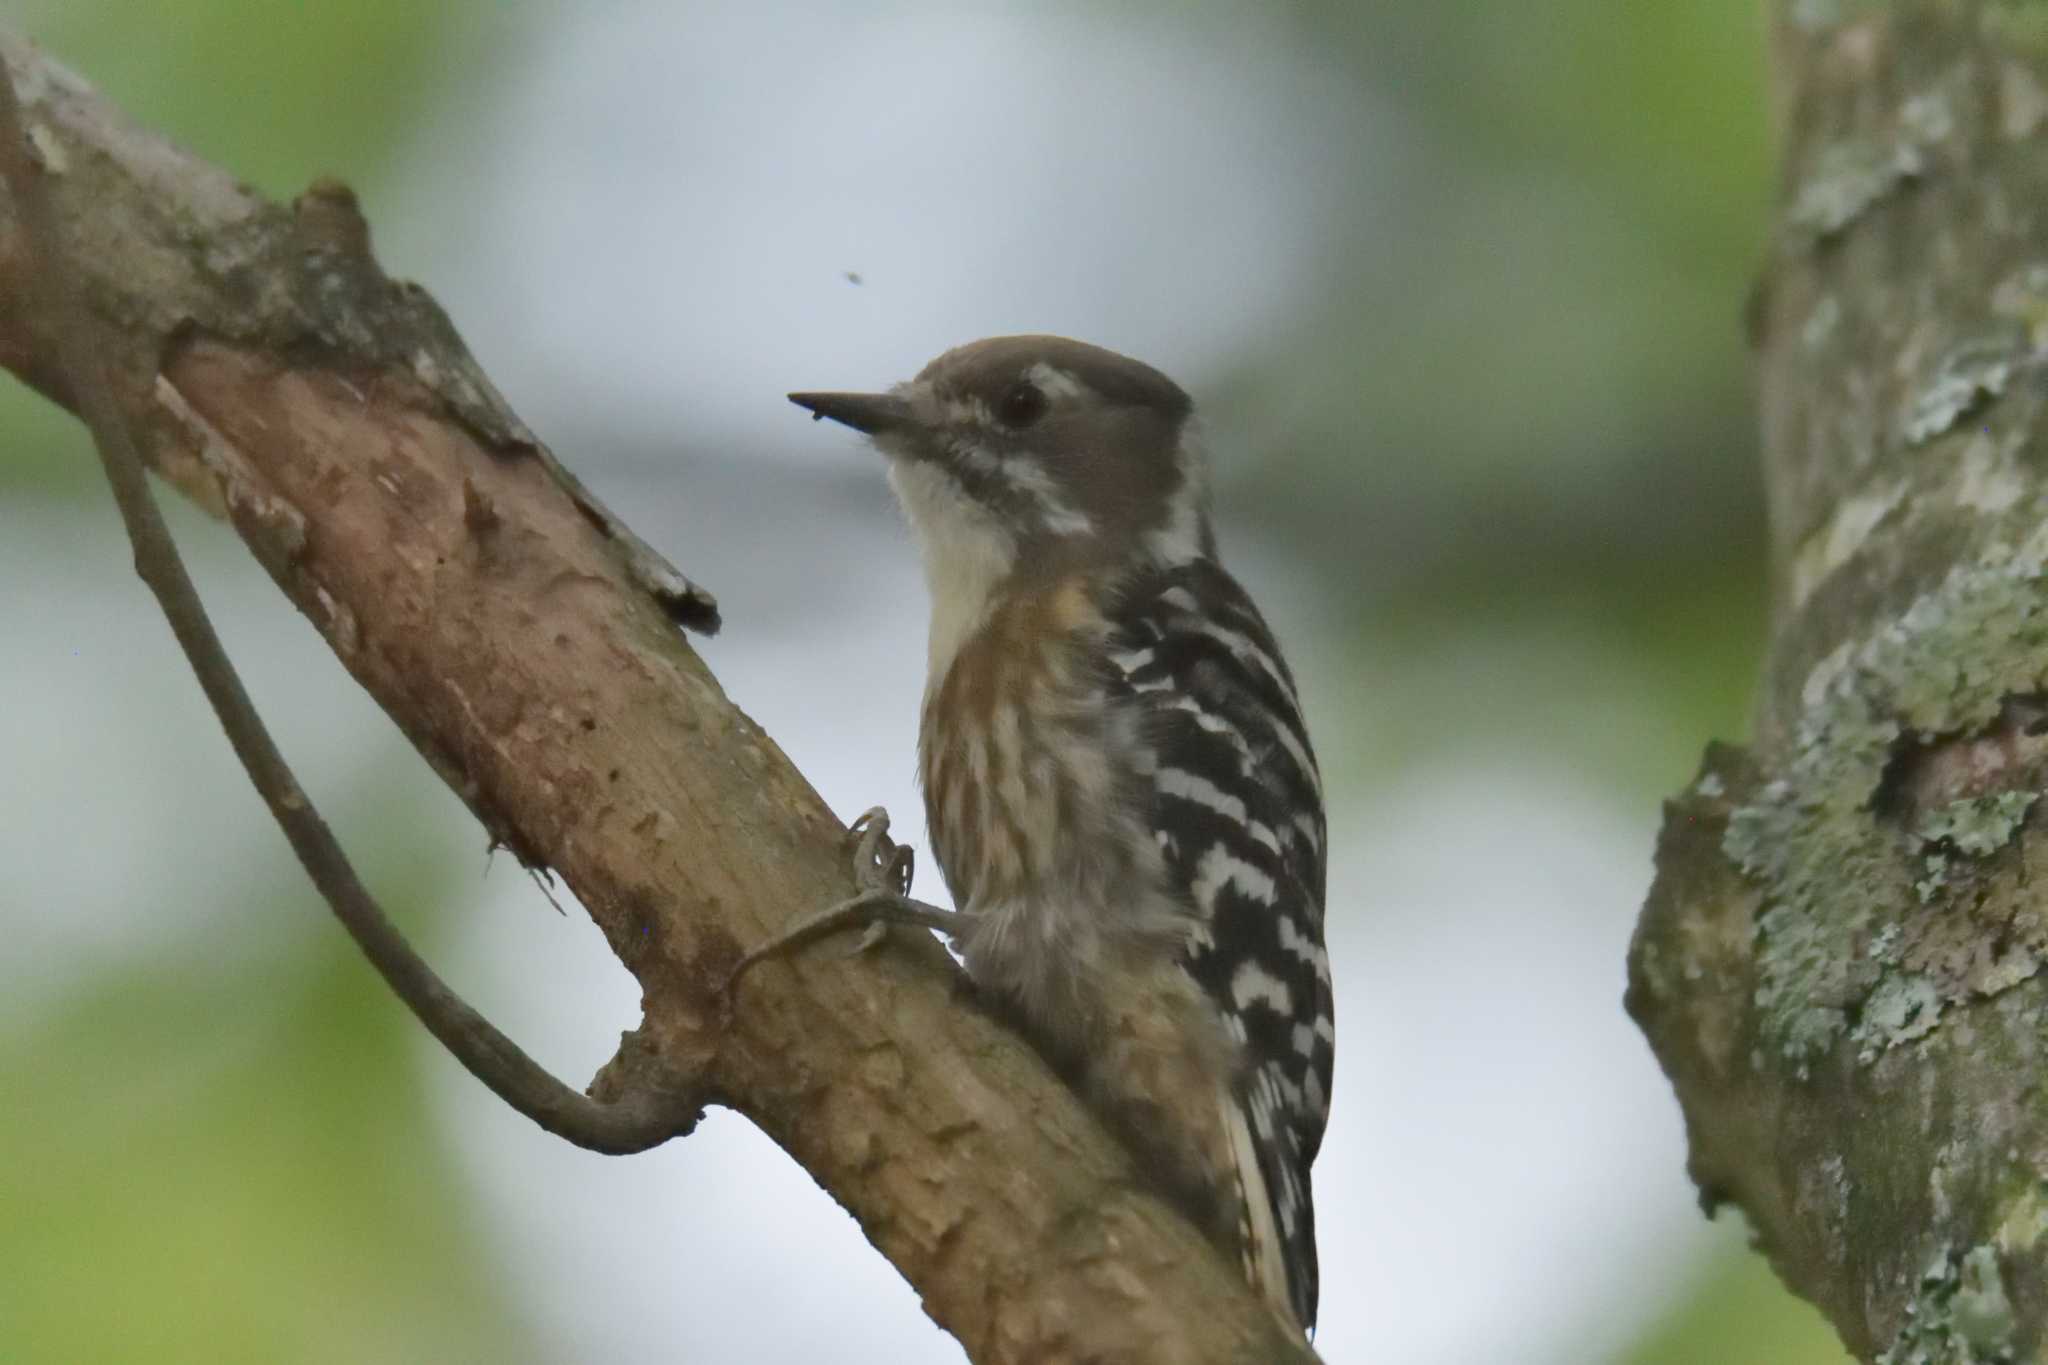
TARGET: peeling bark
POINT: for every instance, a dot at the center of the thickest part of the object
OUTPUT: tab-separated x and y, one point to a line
526	643
1839	965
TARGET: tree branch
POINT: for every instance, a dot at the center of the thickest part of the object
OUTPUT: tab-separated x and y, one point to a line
525	642
1840	963
641	1116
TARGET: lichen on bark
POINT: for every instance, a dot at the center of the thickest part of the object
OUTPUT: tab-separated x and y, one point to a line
1839	965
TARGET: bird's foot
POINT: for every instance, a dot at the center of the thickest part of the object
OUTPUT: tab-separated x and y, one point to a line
882	871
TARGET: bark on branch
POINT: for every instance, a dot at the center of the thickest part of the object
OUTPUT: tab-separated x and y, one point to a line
650	1111
526	643
1840	963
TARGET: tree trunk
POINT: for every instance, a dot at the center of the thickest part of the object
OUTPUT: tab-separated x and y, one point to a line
526	643
1839	965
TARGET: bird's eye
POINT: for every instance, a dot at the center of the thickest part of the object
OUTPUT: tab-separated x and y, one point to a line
1022	405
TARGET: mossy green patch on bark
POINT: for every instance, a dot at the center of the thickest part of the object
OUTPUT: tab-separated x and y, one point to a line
1978	825
1972	826
2023	1219
1899	1009
1961	1315
1847	179
1835	877
1969	374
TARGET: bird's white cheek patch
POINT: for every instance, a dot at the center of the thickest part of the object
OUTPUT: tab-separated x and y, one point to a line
1027	479
967	552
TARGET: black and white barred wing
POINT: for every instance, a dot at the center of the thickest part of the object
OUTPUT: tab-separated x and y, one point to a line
1238	811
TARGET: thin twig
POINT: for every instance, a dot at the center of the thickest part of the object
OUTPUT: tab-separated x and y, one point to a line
650	1112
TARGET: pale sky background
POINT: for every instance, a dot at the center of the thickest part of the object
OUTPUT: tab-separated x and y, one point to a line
633	221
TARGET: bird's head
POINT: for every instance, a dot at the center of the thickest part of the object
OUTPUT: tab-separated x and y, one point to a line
1028	456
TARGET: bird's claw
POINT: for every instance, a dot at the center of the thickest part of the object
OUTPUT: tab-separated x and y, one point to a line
879	862
881	873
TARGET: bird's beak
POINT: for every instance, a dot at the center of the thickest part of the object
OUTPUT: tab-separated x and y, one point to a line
873	413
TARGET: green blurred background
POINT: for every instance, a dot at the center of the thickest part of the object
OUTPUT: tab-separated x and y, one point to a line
1483	425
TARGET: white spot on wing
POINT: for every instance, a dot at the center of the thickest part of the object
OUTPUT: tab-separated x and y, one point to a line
1303	946
1247	651
1220	866
1292	744
1193	787
1253	985
1205	720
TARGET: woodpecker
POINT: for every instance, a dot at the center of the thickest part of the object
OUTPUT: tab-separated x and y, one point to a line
1117	780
